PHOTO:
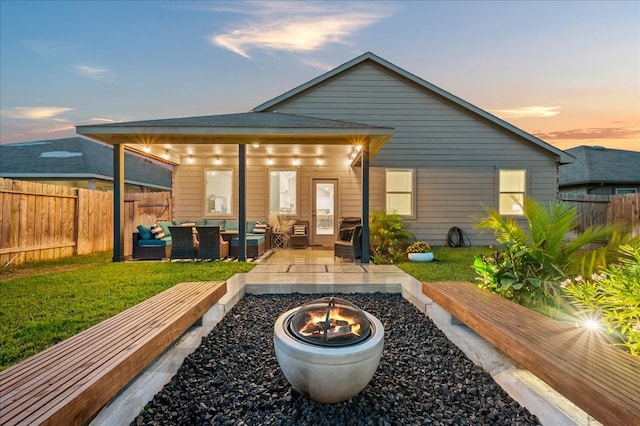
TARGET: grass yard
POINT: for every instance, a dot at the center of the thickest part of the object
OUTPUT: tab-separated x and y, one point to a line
450	264
44	303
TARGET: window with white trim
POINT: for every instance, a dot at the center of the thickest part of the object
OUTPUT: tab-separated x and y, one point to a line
219	199
400	191
283	192
512	191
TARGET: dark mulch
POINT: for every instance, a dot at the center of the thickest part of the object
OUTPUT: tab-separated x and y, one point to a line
423	378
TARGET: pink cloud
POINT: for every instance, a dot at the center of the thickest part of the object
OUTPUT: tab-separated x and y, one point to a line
591	133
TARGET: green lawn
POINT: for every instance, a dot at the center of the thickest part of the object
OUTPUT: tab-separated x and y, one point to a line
451	264
46	302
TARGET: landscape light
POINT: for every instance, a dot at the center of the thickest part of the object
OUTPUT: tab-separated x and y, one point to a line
592	324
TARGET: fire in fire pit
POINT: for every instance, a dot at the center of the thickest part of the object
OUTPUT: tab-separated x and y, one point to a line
330	321
328	349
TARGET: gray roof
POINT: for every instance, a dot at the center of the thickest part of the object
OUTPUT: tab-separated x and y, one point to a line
425	85
244	120
77	158
596	164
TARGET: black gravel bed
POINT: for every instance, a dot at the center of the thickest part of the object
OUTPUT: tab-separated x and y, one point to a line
233	378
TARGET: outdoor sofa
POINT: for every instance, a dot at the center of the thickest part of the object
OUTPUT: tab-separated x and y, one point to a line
150	246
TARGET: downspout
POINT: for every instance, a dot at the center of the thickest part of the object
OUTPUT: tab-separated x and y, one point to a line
118	202
365	203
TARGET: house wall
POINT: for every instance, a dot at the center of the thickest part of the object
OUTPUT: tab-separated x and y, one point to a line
597	189
189	181
456	155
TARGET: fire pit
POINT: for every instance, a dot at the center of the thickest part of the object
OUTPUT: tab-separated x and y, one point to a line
328	349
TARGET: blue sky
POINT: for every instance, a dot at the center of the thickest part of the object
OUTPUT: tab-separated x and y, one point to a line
568	72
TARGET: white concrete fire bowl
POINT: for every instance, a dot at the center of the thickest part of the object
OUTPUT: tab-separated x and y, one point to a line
327	374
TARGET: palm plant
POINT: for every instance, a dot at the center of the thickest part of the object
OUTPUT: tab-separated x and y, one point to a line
389	237
536	258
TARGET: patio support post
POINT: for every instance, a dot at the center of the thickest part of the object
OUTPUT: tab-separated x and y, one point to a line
118	202
242	202
365	203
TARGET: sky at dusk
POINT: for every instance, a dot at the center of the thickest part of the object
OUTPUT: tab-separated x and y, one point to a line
567	71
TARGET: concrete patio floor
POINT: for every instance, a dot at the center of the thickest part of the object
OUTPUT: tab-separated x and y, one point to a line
316	270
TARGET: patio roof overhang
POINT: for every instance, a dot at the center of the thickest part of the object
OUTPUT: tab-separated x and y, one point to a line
172	140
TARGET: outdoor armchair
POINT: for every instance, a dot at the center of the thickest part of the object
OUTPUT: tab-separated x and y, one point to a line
352	248
182	242
211	247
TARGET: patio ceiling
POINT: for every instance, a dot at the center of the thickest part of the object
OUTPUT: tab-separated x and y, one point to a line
267	134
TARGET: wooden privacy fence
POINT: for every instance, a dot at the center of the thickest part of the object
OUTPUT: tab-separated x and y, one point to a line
44	222
604	209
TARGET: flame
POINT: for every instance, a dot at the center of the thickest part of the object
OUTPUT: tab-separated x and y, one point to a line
339	324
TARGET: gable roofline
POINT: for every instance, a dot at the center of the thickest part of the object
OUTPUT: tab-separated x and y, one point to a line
371	57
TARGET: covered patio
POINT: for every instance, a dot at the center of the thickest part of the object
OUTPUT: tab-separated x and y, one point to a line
303	141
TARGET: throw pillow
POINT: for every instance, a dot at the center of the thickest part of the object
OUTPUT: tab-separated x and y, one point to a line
260	228
299	230
157	232
145	232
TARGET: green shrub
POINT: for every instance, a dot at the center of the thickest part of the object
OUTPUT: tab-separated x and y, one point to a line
612	296
389	238
534	260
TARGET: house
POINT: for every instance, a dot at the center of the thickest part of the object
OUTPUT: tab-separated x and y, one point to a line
362	137
81	163
601	171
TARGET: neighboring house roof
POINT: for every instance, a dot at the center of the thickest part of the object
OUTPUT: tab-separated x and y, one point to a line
595	164
77	158
369	57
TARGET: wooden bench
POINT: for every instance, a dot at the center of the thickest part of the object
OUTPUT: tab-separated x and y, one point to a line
602	380
70	382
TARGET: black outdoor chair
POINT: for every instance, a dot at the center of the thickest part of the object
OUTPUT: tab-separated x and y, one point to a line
182	242
210	248
346	226
352	248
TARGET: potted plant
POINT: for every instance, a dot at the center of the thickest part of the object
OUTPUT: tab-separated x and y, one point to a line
420	251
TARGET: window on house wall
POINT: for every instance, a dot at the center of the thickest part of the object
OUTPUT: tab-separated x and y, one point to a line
400	191
620	191
219	192
512	191
283	192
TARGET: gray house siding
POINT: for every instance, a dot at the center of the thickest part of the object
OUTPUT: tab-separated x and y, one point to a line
456	155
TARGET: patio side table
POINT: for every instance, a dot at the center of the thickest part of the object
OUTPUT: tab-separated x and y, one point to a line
279	240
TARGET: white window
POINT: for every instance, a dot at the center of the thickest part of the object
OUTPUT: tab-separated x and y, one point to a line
400	191
512	191
219	198
283	192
